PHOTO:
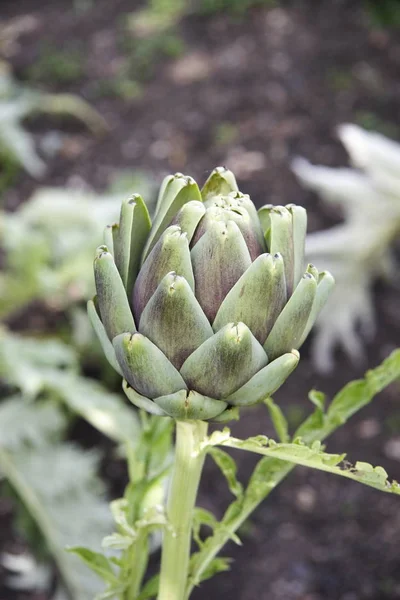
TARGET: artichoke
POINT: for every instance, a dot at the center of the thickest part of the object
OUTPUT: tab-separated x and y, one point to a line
203	310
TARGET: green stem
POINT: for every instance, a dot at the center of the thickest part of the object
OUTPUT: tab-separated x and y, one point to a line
182	497
138	560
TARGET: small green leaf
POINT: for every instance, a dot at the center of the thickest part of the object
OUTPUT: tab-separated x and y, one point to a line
119	509
278	419
317	398
95	561
117	541
218	565
228	468
150	589
201	516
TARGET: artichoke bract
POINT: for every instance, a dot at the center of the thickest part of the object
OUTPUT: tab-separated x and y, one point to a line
202	310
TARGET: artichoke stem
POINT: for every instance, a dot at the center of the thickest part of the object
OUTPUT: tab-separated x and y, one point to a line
181	502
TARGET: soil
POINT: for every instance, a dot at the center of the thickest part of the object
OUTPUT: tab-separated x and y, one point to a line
250	93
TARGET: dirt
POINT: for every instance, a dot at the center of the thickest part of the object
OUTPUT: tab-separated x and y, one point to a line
250	93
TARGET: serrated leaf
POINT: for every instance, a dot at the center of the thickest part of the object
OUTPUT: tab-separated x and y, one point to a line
97	562
314	457
278	419
357	394
269	472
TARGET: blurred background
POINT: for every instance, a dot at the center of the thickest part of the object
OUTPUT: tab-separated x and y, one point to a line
100	99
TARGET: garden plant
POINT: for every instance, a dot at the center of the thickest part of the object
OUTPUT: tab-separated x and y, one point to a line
202	311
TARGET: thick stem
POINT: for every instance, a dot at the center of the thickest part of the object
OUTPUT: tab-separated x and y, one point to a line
186	474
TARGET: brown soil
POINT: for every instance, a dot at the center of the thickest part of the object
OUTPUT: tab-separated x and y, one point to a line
279	80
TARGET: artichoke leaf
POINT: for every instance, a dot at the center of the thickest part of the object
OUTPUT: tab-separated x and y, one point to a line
289	327
257	298
190	405
102	336
174	321
189	217
219	259
224	362
177	192
115	311
266	381
141	401
171	253
221	181
326	283
145	367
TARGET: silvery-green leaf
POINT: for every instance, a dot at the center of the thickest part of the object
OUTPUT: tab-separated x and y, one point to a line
280	239
113	302
171	253
192	405
189	216
257	298
134	227
219	259
291	323
141	401
266	381
299	220
325	286
174	321
101	333
224	362
221	181
178	192
145	367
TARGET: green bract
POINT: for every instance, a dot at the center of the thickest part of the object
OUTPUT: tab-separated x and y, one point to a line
203	310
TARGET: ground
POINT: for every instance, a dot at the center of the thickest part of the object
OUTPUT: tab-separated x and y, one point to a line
250	92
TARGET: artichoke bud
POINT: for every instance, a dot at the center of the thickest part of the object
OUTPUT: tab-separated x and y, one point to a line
220	298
